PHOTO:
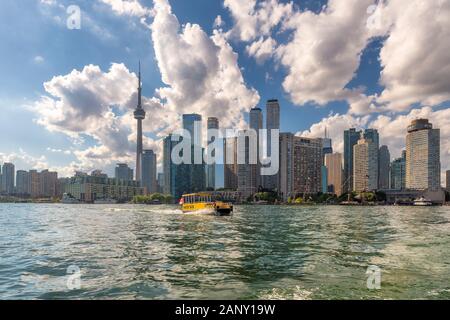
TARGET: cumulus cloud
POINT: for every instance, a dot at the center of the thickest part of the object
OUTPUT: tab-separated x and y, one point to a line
201	72
254	19
262	49
128	7
415	56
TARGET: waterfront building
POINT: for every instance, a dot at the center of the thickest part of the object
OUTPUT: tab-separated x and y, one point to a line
351	138
365	165
248	174
48	181
88	188
123	172
212	169
256	123
23	183
230	163
423	166
7	181
324	179
149	167
35	184
333	163
286	172
272	123
384	157
398	173
139	115
308	160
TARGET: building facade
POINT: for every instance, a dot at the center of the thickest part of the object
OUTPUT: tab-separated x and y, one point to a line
365	166
248	168
286	172
335	173
230	165
423	164
149	167
384	168
7	181
398	173
351	138
23	183
271	182
123	172
88	188
447	180
308	159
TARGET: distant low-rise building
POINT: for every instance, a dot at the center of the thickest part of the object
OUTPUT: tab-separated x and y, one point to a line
88	188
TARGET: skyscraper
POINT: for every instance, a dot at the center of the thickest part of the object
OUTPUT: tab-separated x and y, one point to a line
365	165
213	123
193	124
230	163
256	123
333	163
23	183
35	184
384	158
327	144
48	182
398	172
149	171
123	172
248	173
423	164
272	123
286	172
8	178
308	159
351	138
139	115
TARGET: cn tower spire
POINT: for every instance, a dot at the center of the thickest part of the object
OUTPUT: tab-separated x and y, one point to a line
139	115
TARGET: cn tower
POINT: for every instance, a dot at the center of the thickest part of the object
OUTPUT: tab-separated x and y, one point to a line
139	115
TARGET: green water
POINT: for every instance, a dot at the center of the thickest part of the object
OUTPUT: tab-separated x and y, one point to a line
261	252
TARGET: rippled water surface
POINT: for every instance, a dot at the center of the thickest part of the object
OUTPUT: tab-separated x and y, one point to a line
261	252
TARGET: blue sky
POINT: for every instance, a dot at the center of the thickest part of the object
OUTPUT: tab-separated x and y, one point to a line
37	46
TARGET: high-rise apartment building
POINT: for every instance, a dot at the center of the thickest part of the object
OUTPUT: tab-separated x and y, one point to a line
286	172
384	158
230	163
149	167
271	182
335	173
23	183
123	172
423	164
308	160
248	172
7	183
351	138
398	172
48	183
365	165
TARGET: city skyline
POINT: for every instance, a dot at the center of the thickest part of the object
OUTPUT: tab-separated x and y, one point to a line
55	128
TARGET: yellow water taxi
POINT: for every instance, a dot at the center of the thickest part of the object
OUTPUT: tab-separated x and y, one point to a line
204	203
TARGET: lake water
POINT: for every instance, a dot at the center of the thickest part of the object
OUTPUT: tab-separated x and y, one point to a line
261	252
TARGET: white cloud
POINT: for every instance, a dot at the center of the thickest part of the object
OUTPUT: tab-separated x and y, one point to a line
128	7
255	19
201	72
38	59
415	56
261	50
218	22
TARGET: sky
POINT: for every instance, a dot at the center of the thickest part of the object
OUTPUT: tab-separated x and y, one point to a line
67	95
